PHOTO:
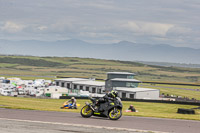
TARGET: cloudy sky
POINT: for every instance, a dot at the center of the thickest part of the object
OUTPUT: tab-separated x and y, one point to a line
174	22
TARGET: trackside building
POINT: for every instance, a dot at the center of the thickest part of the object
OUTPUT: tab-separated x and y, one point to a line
138	93
123	82
127	86
81	84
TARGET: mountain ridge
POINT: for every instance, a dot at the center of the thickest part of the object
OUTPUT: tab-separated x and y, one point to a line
122	50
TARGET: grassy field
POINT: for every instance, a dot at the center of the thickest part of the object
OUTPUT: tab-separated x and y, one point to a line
183	93
176	90
29	67
159	110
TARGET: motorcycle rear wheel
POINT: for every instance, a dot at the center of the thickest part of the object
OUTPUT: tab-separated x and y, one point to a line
86	111
112	115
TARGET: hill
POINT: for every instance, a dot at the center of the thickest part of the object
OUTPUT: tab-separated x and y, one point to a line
126	51
168	64
49	67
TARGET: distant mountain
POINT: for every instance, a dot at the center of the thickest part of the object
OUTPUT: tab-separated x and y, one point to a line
123	50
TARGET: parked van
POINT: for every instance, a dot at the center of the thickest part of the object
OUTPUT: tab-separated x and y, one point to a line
5	92
21	91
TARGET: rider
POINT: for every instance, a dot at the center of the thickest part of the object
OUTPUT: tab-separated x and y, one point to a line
109	96
72	101
131	108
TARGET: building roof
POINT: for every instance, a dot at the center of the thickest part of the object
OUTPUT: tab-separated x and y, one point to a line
138	89
128	80
126	73
71	79
90	82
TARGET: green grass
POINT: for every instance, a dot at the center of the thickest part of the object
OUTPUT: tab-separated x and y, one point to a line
50	67
177	92
88	67
7	65
183	93
160	110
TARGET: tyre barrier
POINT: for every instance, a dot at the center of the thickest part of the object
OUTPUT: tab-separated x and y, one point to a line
185	111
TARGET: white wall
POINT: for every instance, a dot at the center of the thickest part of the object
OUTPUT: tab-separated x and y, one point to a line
142	94
56	89
56	95
147	95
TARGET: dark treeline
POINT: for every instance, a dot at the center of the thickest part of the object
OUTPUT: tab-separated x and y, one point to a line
30	62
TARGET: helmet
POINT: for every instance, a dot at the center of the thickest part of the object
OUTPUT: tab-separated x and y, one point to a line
72	98
114	93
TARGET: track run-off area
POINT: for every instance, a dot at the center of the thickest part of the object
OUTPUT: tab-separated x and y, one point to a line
58	122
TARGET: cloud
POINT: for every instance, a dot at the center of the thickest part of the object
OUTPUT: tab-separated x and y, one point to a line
172	22
179	31
148	28
41	28
102	5
95	34
12	27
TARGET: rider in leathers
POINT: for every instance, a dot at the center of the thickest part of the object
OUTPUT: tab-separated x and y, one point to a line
109	96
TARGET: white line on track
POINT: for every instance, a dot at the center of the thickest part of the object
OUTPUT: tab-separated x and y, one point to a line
82	125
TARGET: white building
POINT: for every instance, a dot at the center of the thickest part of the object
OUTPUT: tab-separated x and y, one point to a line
55	91
77	84
91	86
68	82
138	93
127	86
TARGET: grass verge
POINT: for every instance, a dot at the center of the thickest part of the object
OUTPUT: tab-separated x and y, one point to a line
159	110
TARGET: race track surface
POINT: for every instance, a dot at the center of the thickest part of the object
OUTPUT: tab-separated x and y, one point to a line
126	122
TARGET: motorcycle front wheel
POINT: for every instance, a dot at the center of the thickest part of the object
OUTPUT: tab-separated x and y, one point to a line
115	114
86	111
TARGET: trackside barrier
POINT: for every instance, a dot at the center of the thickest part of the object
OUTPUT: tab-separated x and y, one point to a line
144	100
162	101
185	111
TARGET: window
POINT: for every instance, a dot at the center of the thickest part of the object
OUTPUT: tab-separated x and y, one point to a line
81	87
132	96
123	95
128	84
75	86
130	77
87	88
99	91
93	90
63	84
57	83
68	85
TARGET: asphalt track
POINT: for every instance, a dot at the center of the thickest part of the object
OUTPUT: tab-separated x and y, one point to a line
126	123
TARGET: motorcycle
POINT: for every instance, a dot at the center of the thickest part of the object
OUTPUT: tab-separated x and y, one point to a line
111	109
69	106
